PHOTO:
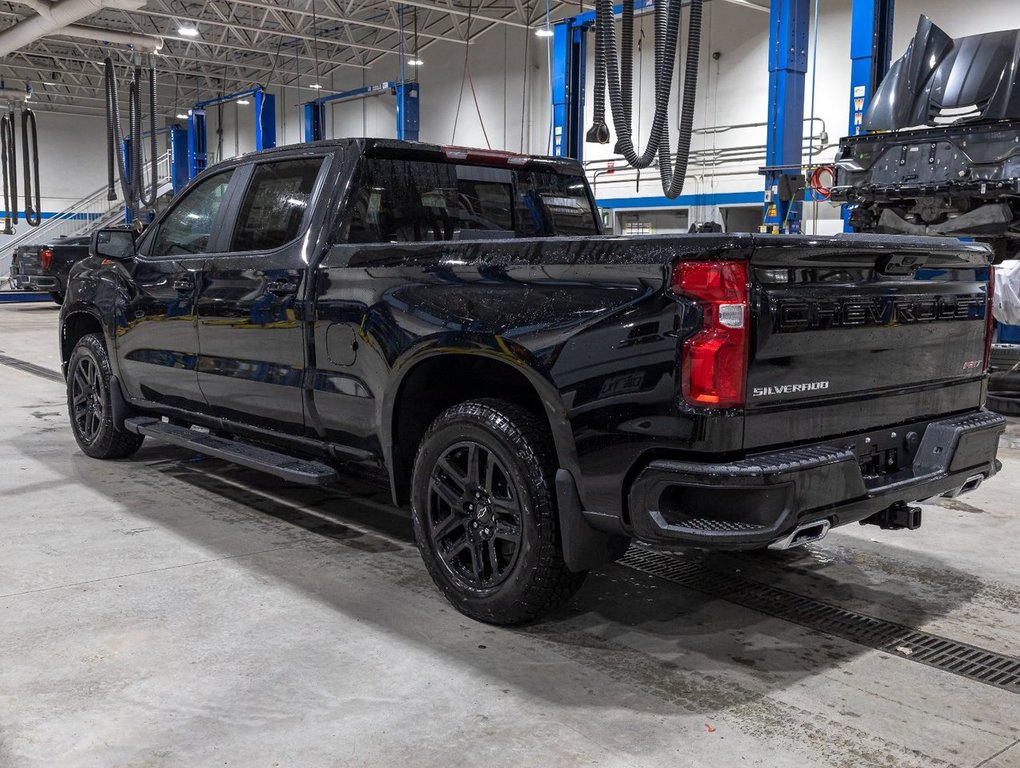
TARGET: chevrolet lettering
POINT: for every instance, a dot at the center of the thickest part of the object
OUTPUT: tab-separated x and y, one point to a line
865	311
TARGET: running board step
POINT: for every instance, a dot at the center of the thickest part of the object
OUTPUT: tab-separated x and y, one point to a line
279	464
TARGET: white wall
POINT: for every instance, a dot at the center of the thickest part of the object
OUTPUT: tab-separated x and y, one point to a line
498	69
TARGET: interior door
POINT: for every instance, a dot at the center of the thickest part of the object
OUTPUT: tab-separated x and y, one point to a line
251	305
157	338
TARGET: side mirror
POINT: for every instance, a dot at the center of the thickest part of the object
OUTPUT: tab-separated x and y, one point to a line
116	244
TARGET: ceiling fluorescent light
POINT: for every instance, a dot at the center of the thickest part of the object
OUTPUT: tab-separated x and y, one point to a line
545	31
415	62
243	102
187	30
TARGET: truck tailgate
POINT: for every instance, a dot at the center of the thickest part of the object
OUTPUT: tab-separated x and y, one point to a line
859	332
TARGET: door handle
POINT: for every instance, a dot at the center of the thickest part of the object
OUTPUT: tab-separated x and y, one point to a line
183	286
282	287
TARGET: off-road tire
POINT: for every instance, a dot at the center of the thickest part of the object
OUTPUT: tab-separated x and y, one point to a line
97	436
537	580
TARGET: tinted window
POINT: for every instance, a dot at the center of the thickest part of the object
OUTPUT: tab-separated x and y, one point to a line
275	204
188	226
408	201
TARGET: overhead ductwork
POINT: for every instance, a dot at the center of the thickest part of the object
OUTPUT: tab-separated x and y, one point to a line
147	43
54	18
10	94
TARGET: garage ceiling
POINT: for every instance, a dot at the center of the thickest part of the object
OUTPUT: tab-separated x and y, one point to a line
295	43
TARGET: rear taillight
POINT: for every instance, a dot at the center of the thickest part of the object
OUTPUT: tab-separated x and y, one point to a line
45	258
714	360
989	318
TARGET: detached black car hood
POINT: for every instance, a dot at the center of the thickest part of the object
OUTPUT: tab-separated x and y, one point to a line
976	74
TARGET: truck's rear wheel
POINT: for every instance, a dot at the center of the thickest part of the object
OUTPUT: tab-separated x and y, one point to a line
485	516
89	406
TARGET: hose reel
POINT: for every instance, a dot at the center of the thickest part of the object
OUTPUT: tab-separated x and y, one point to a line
615	72
132	176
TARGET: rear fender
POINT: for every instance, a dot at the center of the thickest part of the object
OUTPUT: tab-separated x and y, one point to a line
495	348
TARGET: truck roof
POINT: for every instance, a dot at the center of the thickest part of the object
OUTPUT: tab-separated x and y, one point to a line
418	150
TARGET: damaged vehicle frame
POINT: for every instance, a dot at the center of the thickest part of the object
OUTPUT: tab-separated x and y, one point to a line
453	324
912	173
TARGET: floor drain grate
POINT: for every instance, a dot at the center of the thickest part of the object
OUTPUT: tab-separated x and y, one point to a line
968	661
32	368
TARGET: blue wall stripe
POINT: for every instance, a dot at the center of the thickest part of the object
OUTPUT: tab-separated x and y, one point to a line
684	201
52	214
16	296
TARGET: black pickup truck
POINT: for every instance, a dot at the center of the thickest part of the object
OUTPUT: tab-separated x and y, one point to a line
452	322
46	267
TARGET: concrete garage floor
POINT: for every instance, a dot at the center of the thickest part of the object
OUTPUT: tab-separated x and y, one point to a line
171	610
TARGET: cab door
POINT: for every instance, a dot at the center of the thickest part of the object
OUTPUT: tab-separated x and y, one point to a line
251	300
157	335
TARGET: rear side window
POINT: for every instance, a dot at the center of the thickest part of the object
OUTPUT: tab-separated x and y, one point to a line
275	204
413	201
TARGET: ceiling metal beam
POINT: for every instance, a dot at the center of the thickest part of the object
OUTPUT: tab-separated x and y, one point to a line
341	19
454	11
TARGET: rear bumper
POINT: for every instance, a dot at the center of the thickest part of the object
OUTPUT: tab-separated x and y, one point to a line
759	500
35	282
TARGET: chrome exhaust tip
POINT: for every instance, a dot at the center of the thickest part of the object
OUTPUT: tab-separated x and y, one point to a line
803	534
971	484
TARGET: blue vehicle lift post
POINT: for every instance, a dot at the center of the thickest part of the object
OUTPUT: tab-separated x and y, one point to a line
788	51
265	126
406	91
178	144
871	32
569	54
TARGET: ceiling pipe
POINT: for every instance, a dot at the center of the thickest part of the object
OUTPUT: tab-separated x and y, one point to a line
10	94
146	43
51	17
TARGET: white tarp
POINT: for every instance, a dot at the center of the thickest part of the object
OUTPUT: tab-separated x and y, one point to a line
1006	305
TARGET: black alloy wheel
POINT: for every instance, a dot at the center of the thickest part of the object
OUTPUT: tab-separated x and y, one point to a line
89	404
88	399
474	515
484	512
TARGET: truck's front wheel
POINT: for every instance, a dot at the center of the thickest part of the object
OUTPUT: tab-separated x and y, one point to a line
89	405
485	516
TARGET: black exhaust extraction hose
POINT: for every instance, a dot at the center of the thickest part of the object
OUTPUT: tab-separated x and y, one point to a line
9	171
115	136
618	79
132	173
673	176
134	147
599	131
29	131
150	202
